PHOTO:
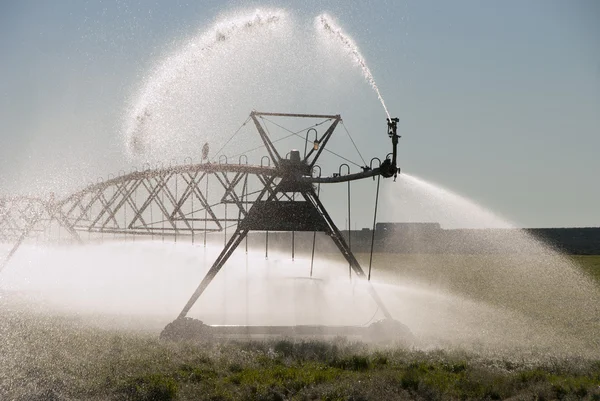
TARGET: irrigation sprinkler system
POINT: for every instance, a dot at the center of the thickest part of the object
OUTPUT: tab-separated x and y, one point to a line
279	195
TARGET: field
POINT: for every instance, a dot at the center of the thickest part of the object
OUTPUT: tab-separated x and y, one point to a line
590	264
49	357
60	359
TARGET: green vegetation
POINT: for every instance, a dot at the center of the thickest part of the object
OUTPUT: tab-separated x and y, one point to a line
53	358
590	264
449	266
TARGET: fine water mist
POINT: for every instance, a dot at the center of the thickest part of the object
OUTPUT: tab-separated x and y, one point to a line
503	267
143	286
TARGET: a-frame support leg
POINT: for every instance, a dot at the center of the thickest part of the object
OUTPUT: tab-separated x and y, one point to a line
13	250
340	242
20	240
232	244
54	214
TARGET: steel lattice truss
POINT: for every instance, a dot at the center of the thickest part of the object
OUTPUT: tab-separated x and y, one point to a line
180	200
19	215
177	200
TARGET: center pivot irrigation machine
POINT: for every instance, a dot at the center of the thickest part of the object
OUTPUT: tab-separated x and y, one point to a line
279	195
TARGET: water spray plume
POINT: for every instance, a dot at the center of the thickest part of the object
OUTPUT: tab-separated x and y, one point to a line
324	23
171	80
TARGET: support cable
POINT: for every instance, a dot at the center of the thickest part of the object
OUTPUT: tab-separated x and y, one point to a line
353	143
229	140
297	133
304	139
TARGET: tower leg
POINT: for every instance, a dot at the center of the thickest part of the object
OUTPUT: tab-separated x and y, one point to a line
19	241
231	245
339	241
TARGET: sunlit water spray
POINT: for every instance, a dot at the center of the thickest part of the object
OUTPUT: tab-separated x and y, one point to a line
184	90
509	269
327	26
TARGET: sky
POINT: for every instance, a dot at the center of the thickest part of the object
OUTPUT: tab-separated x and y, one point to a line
498	101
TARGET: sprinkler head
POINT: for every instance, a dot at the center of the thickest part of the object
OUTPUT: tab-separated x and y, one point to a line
392	124
388	168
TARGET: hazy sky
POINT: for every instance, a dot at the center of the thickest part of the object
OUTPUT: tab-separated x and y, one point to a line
498	101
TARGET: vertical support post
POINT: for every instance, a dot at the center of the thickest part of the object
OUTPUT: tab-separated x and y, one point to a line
374	224
225	226
349	232
162	201
312	258
206	211
293	233
245	193
193	182
267	245
225	278
133	202
176	202
151	216
125	218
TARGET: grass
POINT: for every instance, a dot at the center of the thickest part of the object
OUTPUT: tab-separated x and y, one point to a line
590	264
434	266
52	358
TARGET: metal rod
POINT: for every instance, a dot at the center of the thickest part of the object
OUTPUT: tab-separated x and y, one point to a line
349	232
374	224
258	113
134	198
192	206
246	205
206	212
293	233
165	214
176	198
151	216
312	257
125	218
267	245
